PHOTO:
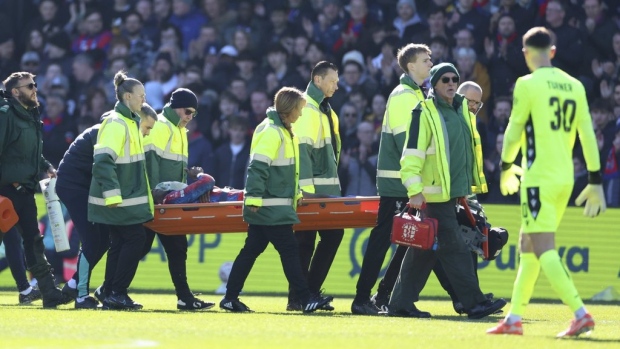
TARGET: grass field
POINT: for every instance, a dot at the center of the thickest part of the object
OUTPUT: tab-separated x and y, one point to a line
160	325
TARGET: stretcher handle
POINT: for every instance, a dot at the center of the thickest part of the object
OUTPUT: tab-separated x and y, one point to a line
240	203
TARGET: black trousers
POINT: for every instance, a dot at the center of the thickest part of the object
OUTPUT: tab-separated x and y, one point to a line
126	244
28	225
455	258
175	247
14	250
378	244
259	236
94	237
386	285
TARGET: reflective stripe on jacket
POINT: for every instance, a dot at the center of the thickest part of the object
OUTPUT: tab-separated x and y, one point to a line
119	172
396	121
273	174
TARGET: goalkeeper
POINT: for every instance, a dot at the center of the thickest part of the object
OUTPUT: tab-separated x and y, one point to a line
549	109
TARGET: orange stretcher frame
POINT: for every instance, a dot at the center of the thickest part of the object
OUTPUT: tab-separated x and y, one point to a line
226	217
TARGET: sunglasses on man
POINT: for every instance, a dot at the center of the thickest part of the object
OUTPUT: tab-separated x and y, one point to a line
30	86
445	79
189	112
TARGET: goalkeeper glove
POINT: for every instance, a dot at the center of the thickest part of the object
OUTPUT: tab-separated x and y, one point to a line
508	180
595	200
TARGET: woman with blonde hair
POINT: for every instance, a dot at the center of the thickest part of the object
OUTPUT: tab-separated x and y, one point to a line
271	196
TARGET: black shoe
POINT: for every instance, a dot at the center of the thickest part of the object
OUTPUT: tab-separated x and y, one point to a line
88	303
69	292
120	301
194	304
458	307
366	308
486	308
234	305
54	298
100	294
381	301
414	312
293	306
317	301
34	295
326	307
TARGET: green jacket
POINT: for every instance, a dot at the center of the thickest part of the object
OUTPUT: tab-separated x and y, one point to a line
319	158
165	149
425	162
273	174
401	102
21	145
119	172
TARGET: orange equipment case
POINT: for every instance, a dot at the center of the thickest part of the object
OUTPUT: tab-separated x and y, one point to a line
226	217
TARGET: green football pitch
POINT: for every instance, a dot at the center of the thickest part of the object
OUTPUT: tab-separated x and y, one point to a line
160	325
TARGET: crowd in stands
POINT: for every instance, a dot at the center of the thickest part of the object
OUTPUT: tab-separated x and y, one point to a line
235	54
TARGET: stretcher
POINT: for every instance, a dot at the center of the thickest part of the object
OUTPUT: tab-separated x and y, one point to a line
226	217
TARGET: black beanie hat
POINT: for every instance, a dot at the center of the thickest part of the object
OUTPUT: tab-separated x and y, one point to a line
183	98
440	69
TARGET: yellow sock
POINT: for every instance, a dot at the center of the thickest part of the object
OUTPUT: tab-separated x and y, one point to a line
529	268
560	279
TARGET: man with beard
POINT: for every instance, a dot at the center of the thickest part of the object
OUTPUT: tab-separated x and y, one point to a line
21	162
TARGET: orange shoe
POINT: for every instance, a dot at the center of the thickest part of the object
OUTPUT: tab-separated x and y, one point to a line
504	328
577	327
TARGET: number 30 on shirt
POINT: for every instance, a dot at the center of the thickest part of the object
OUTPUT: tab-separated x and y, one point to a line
564	113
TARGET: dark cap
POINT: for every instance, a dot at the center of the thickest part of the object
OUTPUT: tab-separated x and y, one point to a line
440	69
183	98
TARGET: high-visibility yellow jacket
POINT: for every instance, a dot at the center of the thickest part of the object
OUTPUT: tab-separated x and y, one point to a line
319	159
396	121
166	149
425	161
119	172
273	174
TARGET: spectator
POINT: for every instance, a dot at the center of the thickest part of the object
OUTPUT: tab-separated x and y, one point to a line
35	41
348	126
355	32
141	47
408	22
8	63
259	102
360	164
85	76
241	41
187	20
247	21
246	71
315	53
162	11
163	80
354	76
217	14
228	107
604	126
597	30
58	129
608	71
441	50
377	107
231	158
470	69
95	105
360	100
496	123
30	62
436	27
48	22
472	18
285	74
523	16
58	51
200	150
503	54
328	26
149	20
279	26
568	40
611	174
94	36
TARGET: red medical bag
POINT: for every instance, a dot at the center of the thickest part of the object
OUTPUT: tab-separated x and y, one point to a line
416	231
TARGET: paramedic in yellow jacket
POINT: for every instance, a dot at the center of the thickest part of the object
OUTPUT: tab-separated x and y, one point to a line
319	152
166	160
119	195
441	163
415	62
271	197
